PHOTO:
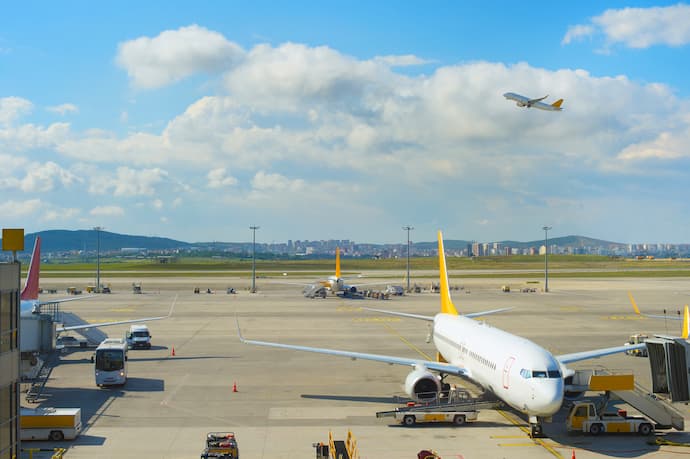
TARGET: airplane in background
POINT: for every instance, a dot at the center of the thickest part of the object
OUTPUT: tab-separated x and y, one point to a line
335	284
685	330
30	304
519	372
523	101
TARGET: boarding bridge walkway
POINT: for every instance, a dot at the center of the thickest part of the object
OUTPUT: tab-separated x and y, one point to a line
624	388
314	290
39	383
93	335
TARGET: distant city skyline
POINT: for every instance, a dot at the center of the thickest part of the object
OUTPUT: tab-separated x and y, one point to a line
325	120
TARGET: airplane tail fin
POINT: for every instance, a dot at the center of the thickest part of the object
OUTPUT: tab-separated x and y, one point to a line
447	306
558	103
686	322
634	304
337	262
30	291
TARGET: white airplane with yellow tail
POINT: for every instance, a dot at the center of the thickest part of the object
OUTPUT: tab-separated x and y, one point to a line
519	372
522	101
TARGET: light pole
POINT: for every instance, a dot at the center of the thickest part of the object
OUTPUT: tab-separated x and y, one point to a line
253	228
408	229
98	230
546	257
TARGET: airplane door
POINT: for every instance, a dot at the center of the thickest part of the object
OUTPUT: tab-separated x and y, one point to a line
506	372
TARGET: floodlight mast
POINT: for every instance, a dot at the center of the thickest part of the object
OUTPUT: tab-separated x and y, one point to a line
253	228
408	229
546	258
98	230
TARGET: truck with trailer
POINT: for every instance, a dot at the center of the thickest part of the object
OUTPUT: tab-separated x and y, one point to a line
455	406
585	417
221	445
54	424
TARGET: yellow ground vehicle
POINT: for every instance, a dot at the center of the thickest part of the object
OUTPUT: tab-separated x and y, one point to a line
222	445
583	417
638	338
54	424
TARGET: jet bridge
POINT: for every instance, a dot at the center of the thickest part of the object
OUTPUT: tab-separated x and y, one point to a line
669	360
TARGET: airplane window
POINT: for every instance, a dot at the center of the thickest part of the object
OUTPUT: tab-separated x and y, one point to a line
554	374
539	374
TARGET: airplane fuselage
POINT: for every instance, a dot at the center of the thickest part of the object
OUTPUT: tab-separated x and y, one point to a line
518	371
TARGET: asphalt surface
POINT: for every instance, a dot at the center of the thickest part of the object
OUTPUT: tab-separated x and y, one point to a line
287	400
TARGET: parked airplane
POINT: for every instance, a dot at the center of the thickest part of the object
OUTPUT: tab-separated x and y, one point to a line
334	284
521	373
685	331
523	101
30	304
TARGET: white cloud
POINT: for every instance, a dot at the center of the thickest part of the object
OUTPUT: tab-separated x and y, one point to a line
22	209
638	27
128	182
219	178
107	211
13	108
63	109
157	204
62	215
176	54
263	181
40	178
405	60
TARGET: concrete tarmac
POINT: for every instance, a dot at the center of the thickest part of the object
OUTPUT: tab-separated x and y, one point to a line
287	400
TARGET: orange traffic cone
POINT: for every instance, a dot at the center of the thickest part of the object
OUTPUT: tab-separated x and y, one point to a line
234	386
172	353
573	456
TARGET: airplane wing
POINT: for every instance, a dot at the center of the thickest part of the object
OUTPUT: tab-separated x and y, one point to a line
107	324
539	99
65	300
429	364
596	353
431	318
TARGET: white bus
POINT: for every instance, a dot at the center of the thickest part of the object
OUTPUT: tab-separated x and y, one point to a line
111	362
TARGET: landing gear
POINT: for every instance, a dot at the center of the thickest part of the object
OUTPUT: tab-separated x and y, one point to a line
536	428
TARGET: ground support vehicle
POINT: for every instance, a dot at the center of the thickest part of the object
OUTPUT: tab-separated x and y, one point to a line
455	406
221	445
585	417
138	336
54	424
637	339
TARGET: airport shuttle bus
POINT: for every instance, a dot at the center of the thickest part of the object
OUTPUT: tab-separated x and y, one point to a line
111	362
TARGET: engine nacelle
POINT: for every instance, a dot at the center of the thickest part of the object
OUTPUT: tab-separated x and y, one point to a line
422	385
353	289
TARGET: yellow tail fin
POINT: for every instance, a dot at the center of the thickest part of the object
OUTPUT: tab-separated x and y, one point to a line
557	104
686	322
634	304
337	262
447	306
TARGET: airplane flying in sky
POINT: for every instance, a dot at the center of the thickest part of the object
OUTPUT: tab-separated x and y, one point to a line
521	373
523	101
30	304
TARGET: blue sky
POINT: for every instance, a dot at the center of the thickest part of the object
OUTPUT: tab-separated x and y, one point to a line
346	120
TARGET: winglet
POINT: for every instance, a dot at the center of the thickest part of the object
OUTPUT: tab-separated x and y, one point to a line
447	306
337	262
686	322
558	103
30	291
634	304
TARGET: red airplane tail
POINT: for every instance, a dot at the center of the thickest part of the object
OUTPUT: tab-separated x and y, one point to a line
30	291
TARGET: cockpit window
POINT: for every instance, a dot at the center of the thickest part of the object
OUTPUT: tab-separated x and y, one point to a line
554	373
525	373
539	374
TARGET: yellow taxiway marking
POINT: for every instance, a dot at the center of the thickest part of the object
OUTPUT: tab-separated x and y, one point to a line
376	319
518	444
623	318
404	340
122	310
348	308
535	441
507	436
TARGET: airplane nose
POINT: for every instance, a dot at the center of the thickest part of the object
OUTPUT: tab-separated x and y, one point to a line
551	397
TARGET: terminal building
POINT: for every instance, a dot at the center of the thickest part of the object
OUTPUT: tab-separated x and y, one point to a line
9	360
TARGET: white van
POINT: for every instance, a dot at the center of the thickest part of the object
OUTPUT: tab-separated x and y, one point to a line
138	336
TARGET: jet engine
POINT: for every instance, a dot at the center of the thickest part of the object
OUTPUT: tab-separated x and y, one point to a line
422	385
353	289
